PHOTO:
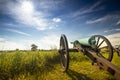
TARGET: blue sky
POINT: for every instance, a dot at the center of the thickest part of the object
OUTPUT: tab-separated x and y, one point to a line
24	22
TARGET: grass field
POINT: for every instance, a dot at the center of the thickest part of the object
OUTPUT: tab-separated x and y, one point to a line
45	65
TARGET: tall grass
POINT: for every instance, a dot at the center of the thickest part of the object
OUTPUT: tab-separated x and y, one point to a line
45	65
24	64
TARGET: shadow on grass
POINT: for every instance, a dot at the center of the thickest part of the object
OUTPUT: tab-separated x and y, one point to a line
77	76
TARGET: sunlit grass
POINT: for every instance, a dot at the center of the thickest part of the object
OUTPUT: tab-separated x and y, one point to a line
45	65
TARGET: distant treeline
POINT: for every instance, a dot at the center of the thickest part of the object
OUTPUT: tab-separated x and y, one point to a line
25	50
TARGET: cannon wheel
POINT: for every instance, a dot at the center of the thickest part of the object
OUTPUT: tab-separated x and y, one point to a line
64	53
103	47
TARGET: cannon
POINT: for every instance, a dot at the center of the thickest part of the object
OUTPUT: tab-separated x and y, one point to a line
117	49
97	48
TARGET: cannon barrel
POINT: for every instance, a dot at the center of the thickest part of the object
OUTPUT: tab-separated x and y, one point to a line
97	43
87	41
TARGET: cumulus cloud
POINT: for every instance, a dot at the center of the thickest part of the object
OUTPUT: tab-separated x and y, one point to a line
46	42
19	32
7	44
56	19
114	39
50	41
10	45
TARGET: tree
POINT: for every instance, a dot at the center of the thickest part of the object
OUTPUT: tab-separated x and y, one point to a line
34	47
17	49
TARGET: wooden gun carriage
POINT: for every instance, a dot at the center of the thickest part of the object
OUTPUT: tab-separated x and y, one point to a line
97	48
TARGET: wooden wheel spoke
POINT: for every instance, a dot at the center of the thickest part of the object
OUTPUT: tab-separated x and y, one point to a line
97	41
100	44
103	47
102	55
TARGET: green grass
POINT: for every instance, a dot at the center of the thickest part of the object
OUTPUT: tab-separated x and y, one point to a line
45	65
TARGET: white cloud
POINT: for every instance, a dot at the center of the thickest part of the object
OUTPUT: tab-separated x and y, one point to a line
2	39
96	20
114	39
106	31
86	9
9	24
9	45
117	29
19	32
25	12
50	5
46	42
118	22
56	19
49	41
107	18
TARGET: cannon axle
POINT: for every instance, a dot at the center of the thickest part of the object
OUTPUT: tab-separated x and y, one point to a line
97	48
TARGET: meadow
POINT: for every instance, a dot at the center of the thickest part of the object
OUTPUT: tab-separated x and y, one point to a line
45	65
